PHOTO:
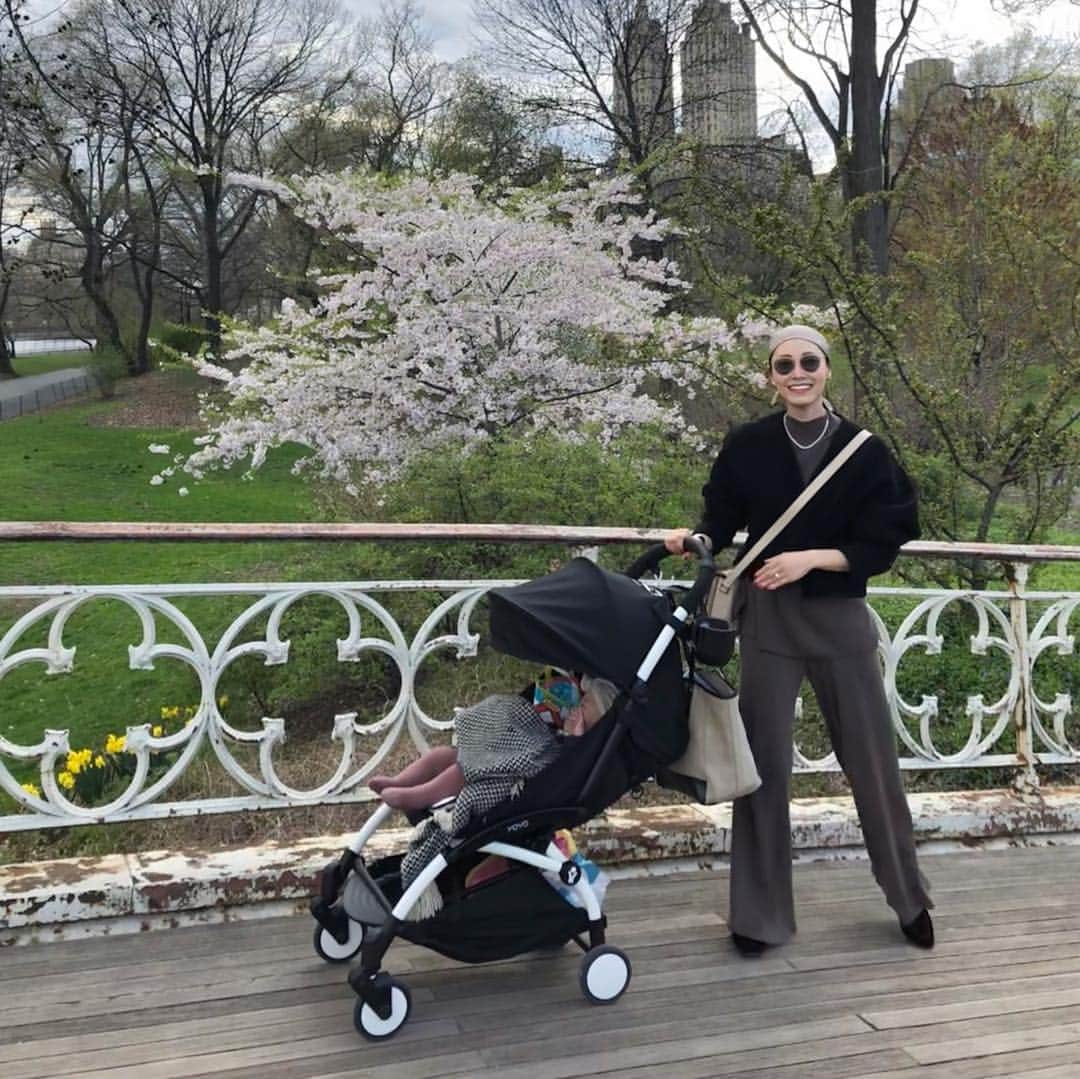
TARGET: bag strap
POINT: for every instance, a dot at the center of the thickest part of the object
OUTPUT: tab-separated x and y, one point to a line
788	515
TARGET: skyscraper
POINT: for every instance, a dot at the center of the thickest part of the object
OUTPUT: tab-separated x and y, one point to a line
719	83
643	66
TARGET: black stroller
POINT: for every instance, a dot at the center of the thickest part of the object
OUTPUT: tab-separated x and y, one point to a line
580	618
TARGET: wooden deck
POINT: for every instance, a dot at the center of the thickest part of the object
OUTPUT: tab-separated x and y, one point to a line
999	996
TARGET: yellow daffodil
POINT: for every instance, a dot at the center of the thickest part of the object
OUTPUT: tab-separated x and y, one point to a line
99	761
32	788
223	700
190	710
157	731
77	760
115	743
66	780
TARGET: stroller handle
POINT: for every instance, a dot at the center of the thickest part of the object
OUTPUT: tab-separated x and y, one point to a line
706	569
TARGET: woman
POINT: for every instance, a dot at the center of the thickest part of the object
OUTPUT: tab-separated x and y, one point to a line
804	613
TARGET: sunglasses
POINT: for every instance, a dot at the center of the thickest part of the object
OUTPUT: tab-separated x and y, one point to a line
784	366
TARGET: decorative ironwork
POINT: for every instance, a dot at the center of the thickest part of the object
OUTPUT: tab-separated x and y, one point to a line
1018	729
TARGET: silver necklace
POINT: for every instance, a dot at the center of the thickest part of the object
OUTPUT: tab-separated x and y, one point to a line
809	445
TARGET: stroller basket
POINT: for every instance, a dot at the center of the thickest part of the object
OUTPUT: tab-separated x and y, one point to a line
515	912
364	900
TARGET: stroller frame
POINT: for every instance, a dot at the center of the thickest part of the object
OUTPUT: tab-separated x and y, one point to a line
384	1003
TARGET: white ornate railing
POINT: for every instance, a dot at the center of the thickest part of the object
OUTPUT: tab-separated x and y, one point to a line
1019	729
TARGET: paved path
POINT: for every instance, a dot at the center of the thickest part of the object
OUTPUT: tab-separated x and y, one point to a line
18	396
1000	995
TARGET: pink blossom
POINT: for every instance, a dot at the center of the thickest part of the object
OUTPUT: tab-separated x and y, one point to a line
462	317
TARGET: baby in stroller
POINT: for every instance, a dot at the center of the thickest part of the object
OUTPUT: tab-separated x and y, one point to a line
561	704
502	741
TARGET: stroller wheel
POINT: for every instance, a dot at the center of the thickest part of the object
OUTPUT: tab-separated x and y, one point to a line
367	1020
326	947
604	975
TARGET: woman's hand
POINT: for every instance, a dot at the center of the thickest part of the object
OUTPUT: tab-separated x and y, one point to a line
673	541
784	569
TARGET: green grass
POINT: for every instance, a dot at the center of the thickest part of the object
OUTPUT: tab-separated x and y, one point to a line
50	361
60	466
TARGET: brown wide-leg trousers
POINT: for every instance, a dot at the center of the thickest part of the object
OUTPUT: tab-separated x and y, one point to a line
851	695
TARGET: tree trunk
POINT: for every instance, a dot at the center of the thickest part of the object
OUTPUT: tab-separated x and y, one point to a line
7	347
212	293
6	368
978	570
143	272
864	165
140	360
92	275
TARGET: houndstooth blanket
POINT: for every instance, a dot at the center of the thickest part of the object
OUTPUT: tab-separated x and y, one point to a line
501	741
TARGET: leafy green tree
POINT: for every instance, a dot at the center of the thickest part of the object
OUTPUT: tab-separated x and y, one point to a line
986	276
482	131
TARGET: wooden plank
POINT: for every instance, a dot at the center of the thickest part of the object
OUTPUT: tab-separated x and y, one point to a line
1012	1041
165	1049
175	1013
1061	1071
1009	1064
796	1061
213	1061
1024	947
578	1031
985	1006
113	999
818	1057
446	1064
160	531
207	1027
145	979
338	531
895	1060
666	1024
108	951
675	1053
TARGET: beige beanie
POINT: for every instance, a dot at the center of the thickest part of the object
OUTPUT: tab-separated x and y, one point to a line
797	333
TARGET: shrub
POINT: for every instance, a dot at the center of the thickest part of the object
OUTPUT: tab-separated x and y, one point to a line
106	367
177	340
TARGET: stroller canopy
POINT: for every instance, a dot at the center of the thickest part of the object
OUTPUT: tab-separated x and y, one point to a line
584	618
580	617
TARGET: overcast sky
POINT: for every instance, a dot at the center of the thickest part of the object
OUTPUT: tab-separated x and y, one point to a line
943	27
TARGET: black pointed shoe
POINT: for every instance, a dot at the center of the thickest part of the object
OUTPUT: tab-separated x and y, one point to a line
920	931
747	945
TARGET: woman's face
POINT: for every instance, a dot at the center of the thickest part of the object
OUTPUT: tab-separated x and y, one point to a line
799	371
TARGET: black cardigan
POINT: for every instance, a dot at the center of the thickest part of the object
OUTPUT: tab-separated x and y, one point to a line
867	510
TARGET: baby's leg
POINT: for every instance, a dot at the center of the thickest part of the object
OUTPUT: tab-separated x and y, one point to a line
420	771
447	784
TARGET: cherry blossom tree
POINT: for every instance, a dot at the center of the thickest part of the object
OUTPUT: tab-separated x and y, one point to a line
464	317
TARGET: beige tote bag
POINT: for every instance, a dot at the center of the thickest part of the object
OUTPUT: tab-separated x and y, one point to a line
717	758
